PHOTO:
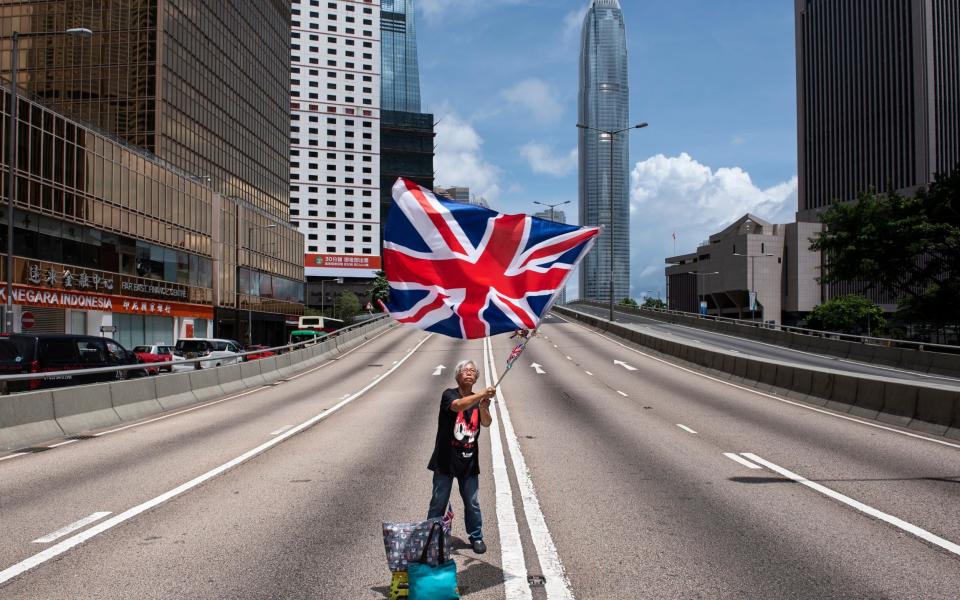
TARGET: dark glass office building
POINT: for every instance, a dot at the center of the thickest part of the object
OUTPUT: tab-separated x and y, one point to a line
406	134
878	96
400	74
167	127
604	105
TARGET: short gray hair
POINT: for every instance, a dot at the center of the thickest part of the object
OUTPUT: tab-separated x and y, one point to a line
462	365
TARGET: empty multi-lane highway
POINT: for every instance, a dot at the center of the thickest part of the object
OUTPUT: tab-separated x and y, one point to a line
607	473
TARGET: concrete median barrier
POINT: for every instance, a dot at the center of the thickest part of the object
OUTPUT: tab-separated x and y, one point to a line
944	364
230	379
27	418
269	369
205	384
899	404
869	400
251	375
135	399
938	411
175	391
84	408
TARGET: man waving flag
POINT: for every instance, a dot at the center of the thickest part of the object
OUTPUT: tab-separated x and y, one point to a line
470	272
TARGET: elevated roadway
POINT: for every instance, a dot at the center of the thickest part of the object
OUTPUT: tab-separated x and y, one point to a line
608	473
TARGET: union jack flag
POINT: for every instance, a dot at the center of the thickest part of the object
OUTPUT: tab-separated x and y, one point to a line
470	272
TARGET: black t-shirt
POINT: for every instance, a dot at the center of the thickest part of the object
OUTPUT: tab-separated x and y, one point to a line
456	449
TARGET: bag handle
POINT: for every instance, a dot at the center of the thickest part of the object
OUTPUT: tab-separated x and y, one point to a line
426	547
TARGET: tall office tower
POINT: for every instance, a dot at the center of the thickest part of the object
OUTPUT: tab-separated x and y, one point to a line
202	88
878	100
400	70
406	134
878	96
603	104
335	138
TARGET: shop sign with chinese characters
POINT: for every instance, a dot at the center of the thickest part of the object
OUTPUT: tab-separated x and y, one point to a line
47	298
52	276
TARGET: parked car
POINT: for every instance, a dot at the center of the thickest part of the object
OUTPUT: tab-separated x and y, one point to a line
51	352
306	335
156	354
264	352
220	352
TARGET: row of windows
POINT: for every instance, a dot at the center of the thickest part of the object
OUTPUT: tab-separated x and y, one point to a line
333	250
335	98
333	51
330	40
333	121
332	6
331	202
333	29
330	191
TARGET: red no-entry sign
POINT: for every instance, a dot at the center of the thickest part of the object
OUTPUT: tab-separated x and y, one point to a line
27	320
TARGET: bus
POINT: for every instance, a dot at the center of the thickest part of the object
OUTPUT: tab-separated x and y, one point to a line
308	337
326	324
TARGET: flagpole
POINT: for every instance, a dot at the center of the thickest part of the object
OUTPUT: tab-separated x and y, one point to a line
546	310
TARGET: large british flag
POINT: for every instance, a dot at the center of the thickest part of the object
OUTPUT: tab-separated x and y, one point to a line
470	272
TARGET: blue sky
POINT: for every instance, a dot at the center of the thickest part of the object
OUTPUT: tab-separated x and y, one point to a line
715	80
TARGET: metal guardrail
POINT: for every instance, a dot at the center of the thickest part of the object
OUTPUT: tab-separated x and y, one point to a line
862	339
144	366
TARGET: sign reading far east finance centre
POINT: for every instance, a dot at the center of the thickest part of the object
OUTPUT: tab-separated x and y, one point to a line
341	265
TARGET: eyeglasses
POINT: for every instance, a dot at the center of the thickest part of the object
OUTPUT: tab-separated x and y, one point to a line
468	370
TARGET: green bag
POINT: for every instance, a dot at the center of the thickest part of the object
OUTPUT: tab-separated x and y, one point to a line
433	583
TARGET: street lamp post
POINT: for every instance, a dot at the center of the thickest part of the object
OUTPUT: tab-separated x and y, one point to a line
551	206
700	277
753	278
12	127
610	136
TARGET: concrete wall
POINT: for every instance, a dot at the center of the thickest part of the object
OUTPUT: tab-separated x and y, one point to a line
927	407
34	417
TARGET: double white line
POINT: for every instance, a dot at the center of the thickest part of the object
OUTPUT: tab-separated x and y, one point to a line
516	586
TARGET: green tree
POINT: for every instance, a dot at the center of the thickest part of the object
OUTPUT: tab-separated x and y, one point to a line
654	303
847	314
346	306
629	302
905	246
379	291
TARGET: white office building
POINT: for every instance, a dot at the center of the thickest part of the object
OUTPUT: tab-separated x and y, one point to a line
335	136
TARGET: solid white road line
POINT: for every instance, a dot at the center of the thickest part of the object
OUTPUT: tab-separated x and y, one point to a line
557	585
71	527
685	428
281	430
515	584
752	391
741	460
869	510
589	373
62	444
625	365
14	455
622	394
58	549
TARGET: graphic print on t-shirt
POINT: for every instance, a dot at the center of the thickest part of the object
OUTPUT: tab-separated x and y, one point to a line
465	431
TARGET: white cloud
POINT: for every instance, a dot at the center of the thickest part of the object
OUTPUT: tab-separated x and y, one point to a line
543	160
573	22
536	96
459	160
678	194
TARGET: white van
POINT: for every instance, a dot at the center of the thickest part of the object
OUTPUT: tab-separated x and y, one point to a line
220	352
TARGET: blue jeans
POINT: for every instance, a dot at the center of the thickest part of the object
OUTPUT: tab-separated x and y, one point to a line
469	491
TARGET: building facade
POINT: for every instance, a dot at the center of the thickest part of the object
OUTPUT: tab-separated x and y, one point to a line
603	193
179	113
878	102
400	67
335	141
751	270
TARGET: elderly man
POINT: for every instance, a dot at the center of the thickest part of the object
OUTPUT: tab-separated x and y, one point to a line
456	453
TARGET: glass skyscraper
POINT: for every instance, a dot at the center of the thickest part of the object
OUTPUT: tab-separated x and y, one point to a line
603	104
400	76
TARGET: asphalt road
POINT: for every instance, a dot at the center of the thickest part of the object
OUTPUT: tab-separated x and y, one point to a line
588	479
747	347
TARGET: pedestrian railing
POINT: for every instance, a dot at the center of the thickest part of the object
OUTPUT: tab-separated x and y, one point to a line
862	339
334	336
